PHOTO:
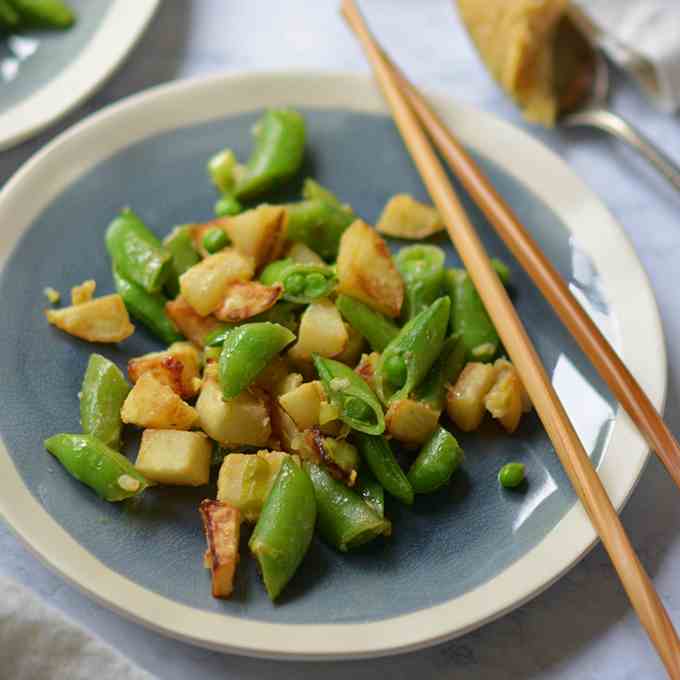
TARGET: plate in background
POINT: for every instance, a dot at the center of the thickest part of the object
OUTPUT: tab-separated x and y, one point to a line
46	74
459	558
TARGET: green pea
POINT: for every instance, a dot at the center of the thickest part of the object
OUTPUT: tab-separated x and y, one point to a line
511	475
295	284
395	371
215	239
227	206
315	285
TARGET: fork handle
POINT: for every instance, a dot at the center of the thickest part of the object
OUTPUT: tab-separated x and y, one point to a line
617	126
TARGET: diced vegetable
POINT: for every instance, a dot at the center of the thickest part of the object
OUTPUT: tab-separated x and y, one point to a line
84	292
259	233
303	404
411	421
222	526
465	399
246	299
192	325
404	217
322	331
505	399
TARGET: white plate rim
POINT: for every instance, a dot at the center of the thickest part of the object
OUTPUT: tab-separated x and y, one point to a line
625	285
120	29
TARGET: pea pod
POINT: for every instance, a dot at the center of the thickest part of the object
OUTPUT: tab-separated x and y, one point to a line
246	351
102	395
378	330
422	268
358	406
407	359
302	283
344	519
285	527
437	461
9	19
180	244
148	308
44	13
137	253
445	370
216	337
223	169
368	487
278	154
312	190
110	474
317	224
378	455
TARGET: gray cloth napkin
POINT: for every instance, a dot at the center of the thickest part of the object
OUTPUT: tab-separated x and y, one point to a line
39	643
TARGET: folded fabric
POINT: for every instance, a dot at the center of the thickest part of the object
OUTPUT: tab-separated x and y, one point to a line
39	643
652	28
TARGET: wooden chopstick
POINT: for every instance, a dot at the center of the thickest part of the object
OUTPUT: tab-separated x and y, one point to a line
548	280
571	453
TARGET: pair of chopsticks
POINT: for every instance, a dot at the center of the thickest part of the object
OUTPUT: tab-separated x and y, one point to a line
410	111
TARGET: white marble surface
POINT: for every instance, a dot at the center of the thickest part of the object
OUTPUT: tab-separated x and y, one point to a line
582	627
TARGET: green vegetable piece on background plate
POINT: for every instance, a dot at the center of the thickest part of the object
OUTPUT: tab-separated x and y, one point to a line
422	268
44	13
511	475
180	244
439	458
378	330
302	283
110	474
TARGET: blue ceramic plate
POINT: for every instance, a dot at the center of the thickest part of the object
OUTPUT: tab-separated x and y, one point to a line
44	74
457	558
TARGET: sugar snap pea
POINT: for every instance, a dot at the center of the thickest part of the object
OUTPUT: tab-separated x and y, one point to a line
137	253
246	351
148	308
437	461
344	519
346	390
445	370
44	13
101	396
223	169
302	283
285	527
9	18
407	359
278	154
110	474
378	455
368	487
180	244
317	224
312	190
378	329
422	268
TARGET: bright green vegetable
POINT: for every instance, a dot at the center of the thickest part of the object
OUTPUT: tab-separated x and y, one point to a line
44	13
469	317
344	519
317	224
101	396
511	475
302	283
437	461
227	205
110	474
278	154
368	487
445	370
422	268
378	455
215	239
215	337
8	15
246	351
502	270
284	530
223	169
148	308
180	244
358	406
378	330
407	359
137	253
312	190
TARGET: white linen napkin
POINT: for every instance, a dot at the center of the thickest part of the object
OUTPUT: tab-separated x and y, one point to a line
39	643
652	28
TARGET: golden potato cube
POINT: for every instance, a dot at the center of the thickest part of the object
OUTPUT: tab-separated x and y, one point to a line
84	292
205	284
404	217
322	331
222	526
259	233
243	420
366	270
302	254
276	377
303	404
192	325
411	422
175	457
465	399
505	398
177	367
245	299
354	349
102	320
151	404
